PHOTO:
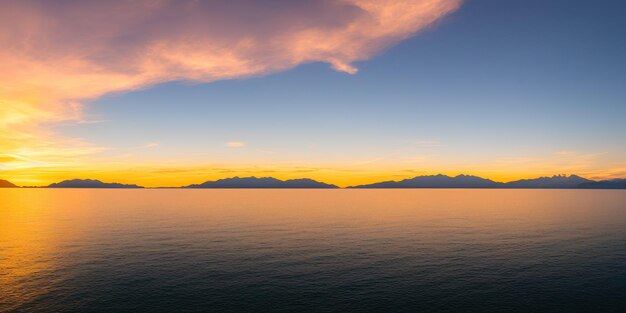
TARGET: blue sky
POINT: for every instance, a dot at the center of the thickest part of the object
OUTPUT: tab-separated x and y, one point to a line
496	77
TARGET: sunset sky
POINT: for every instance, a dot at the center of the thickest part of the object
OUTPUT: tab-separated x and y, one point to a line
175	92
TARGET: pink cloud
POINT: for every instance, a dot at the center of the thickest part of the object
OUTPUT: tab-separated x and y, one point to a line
56	54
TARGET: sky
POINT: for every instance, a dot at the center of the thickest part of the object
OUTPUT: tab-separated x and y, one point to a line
170	93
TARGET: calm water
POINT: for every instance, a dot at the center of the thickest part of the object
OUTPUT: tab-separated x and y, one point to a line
313	250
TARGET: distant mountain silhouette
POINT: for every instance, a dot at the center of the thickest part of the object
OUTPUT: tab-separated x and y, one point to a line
89	183
262	182
605	184
437	181
431	181
6	184
557	181
468	181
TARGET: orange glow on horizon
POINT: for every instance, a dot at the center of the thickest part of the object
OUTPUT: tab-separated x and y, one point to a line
180	176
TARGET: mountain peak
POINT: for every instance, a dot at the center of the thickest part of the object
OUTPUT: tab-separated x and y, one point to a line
6	184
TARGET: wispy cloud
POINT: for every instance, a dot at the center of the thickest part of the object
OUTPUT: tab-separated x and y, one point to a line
235	144
152	145
88	121
611	173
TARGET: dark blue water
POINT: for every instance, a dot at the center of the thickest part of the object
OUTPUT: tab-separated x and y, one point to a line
312	250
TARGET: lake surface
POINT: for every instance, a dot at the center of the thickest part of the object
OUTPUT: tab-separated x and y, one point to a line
431	250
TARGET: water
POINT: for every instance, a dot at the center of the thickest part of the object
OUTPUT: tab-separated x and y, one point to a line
313	250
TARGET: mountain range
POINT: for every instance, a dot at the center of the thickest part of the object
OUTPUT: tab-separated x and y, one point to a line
557	181
430	181
89	183
436	181
468	181
262	182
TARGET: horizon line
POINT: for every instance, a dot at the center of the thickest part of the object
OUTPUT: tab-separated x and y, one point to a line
334	186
